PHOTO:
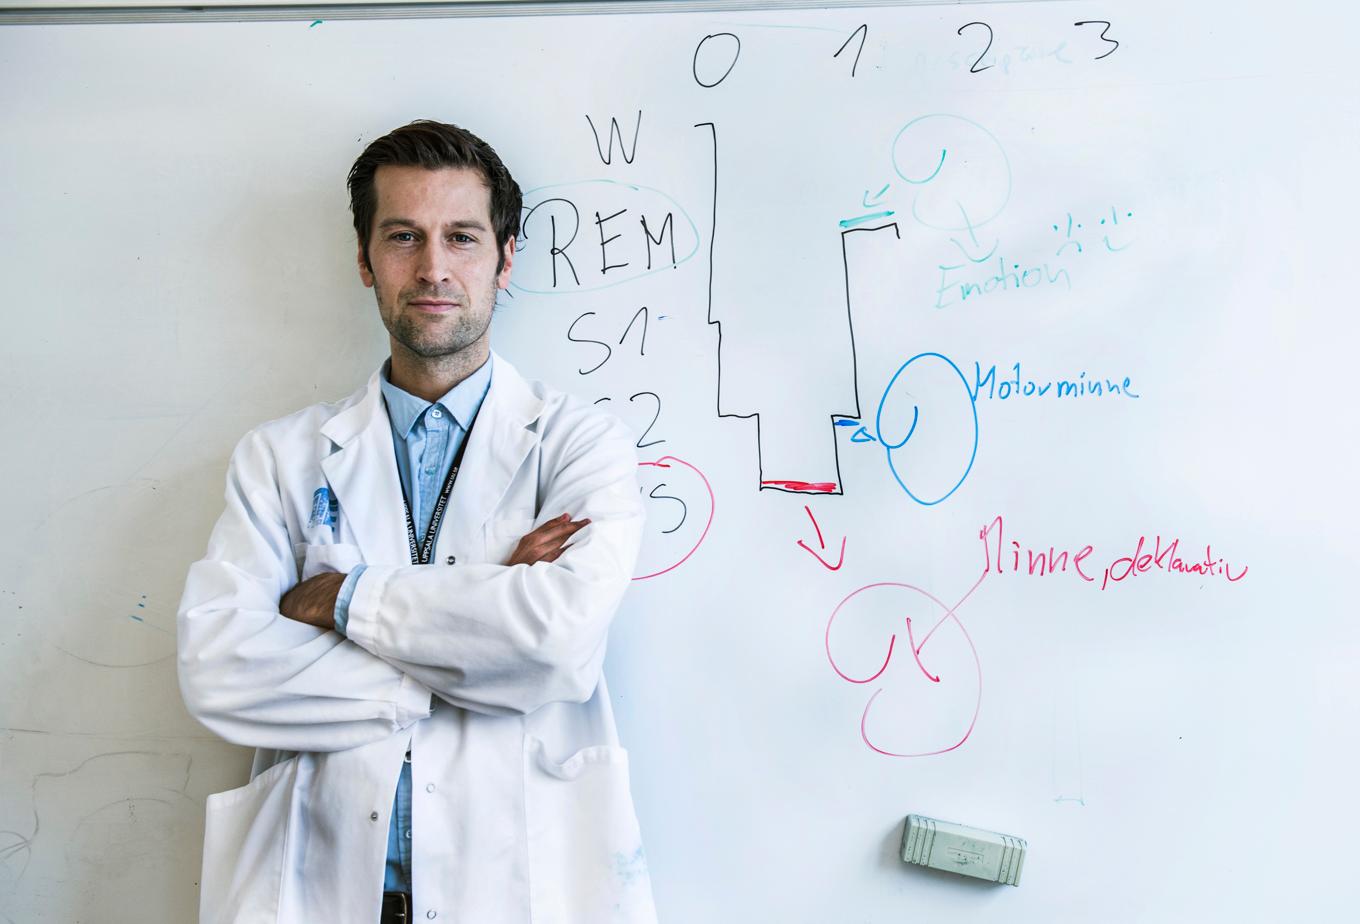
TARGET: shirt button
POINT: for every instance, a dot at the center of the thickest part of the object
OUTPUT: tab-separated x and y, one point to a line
408	834
429	787
430	470
436	414
373	817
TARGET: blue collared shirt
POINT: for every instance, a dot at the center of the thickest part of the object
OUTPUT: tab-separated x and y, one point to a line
425	437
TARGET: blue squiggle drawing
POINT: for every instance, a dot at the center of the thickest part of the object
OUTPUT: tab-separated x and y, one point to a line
972	177
890	447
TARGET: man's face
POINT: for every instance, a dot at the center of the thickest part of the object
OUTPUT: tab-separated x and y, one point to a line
433	255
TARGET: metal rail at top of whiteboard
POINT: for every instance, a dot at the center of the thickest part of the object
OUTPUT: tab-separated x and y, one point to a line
112	11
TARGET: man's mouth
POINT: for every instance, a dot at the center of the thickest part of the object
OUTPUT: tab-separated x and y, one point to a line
432	304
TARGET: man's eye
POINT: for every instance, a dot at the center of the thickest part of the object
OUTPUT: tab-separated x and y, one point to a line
403	237
461	238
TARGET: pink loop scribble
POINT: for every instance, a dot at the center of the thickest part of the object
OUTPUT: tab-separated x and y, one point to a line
916	653
949	613
712	506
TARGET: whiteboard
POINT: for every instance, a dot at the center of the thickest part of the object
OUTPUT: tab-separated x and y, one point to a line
937	313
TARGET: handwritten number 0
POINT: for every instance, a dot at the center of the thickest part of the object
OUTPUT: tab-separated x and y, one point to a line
1103	37
975	69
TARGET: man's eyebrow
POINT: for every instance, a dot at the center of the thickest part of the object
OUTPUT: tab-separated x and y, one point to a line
470	224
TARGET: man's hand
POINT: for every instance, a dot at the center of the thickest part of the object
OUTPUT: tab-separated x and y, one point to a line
313	600
547	541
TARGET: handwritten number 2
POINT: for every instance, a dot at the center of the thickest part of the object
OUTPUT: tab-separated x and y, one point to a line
655	417
975	69
1103	36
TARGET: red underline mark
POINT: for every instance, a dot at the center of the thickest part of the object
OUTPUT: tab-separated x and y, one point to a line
804	487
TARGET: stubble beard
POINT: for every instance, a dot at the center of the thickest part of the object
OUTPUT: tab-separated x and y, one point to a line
437	341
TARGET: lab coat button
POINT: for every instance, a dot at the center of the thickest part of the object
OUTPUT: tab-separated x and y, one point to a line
431	914
450	560
373	817
429	787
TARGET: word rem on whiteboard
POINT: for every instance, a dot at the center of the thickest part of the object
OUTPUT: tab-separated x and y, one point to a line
964	850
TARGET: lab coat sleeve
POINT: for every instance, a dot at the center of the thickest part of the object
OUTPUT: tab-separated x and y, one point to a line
254	676
506	639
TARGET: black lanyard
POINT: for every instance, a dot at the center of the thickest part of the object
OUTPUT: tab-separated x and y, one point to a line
420	553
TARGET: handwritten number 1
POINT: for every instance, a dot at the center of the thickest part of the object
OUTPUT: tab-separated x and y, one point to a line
863	33
975	69
1103	36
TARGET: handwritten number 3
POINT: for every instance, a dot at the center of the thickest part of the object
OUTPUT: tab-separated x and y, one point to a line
1103	36
975	69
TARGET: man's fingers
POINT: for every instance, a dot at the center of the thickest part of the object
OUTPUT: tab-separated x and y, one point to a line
563	524
548	541
313	601
555	531
550	544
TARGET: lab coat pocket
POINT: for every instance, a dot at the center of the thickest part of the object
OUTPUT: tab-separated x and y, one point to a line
586	864
503	535
335	556
245	848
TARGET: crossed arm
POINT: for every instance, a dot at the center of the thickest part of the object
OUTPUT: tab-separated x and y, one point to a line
258	666
313	600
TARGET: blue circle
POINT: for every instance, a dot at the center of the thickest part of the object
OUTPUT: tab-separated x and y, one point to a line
916	416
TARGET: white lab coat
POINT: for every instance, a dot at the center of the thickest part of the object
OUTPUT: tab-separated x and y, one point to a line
491	674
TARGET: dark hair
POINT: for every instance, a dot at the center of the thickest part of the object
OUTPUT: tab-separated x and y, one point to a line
434	146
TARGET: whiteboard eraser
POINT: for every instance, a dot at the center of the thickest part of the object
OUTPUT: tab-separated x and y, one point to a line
964	850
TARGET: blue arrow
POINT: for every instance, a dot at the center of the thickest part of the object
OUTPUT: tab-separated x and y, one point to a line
878	196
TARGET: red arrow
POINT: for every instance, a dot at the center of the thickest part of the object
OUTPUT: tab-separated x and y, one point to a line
822	542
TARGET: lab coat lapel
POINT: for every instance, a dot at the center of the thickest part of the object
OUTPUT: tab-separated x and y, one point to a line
363	475
500	440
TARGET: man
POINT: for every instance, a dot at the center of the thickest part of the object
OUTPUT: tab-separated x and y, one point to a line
434	737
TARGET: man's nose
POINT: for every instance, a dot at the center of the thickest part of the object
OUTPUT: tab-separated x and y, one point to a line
433	265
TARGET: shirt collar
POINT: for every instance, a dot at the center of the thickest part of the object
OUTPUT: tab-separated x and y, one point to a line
462	400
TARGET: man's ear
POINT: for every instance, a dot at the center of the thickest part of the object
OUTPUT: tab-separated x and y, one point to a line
503	277
365	273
